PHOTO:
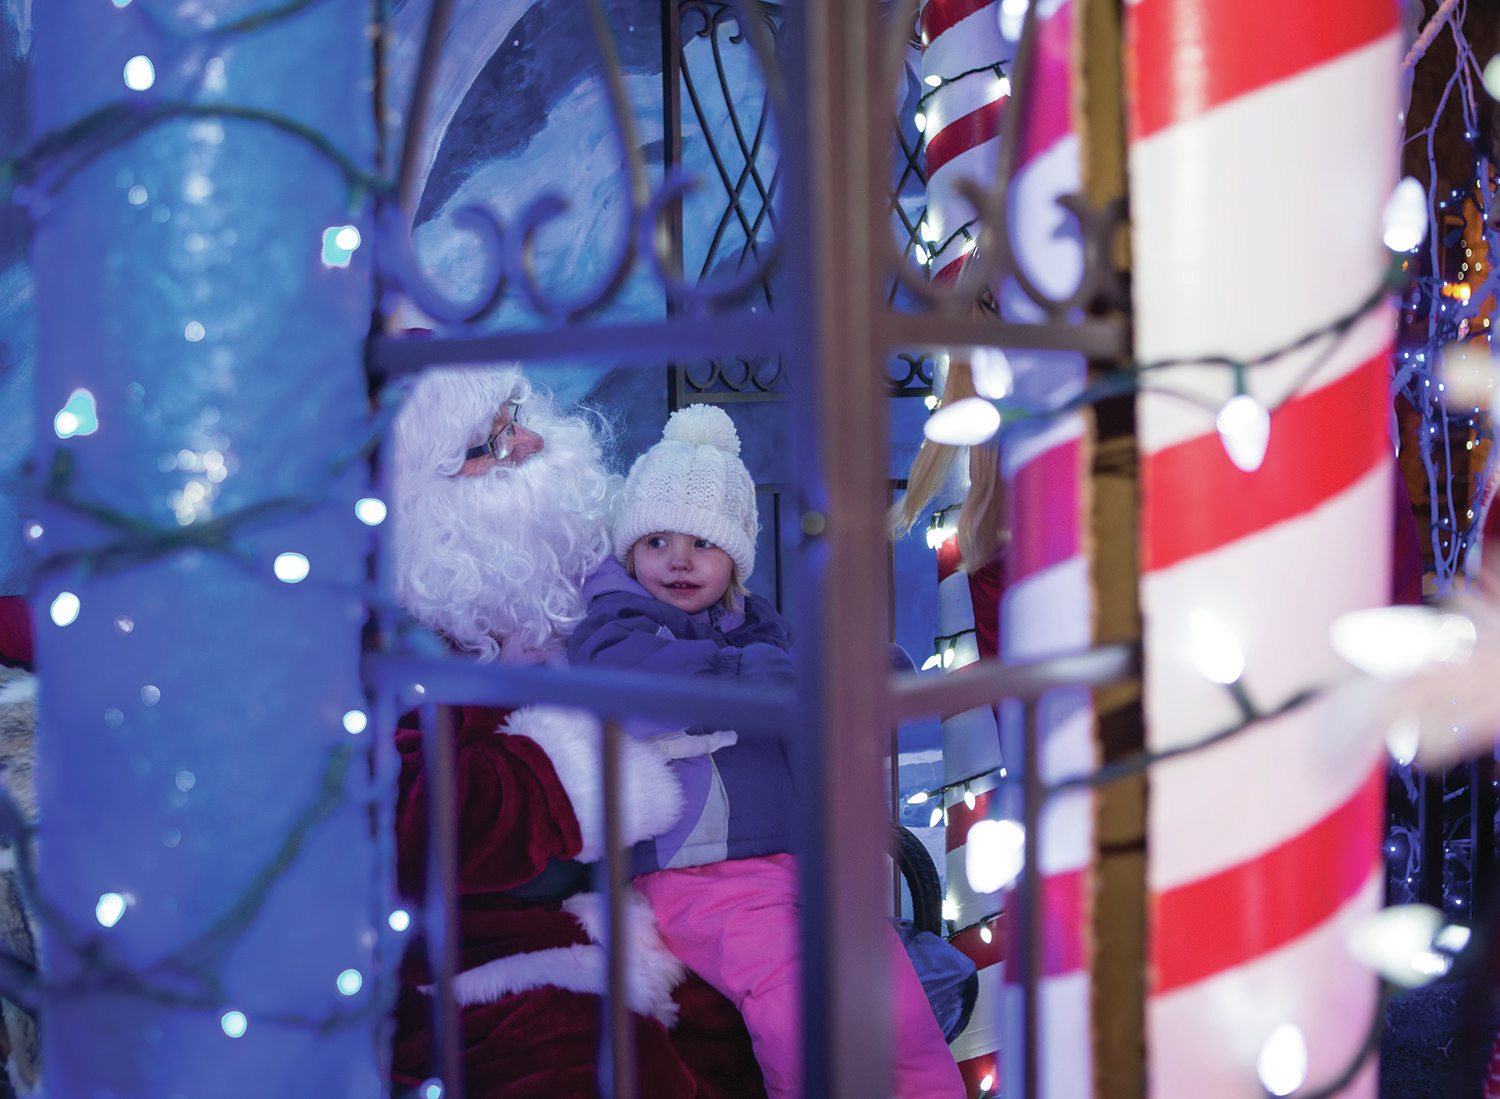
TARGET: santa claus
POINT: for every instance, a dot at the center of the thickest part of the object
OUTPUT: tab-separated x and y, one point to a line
500	512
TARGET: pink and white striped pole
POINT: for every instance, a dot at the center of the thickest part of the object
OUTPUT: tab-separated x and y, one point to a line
1263	147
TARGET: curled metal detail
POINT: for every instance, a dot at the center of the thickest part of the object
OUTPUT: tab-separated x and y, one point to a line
398	262
995	256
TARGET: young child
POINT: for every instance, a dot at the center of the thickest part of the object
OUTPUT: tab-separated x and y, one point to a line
726	894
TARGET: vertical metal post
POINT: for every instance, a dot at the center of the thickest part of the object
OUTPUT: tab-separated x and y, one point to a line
671	104
1482	815
616	1042
835	208
1430	833
441	921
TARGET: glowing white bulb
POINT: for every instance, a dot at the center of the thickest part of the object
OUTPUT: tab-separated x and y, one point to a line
920	252
1003	87
432	1089
1282	1065
291	568
985	934
936	818
920	122
950	909
350	981
370	511
34	531
919	798
194	332
930	401
931	662
347	238
109	909
948	657
140	74
994	854
1452	938
1245	430
1492	76
234	1023
1216	650
1402	739
65	609
993	377
399	919
355	722
1393	642
968	422
1397	943
933	81
987	1081
65	424
1405	216
969	799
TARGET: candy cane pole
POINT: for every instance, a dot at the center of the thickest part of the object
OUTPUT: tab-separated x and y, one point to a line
1263	146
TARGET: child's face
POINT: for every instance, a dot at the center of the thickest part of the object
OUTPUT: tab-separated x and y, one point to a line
688	573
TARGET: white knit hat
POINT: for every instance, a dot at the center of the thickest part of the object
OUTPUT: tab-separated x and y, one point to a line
692	482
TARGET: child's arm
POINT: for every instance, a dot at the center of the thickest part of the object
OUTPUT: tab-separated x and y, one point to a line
618	635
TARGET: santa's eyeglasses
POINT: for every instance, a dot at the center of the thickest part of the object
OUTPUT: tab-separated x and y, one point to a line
502	440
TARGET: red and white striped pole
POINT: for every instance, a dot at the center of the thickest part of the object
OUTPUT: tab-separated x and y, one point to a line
1262	149
962	122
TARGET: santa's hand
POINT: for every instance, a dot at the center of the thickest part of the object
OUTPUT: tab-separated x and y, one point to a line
685	745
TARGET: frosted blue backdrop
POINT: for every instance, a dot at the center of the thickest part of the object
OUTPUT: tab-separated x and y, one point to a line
16	322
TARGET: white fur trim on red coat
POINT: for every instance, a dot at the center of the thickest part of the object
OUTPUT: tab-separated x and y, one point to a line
651	798
652	972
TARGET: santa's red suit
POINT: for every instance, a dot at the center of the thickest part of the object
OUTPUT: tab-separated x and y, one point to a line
490	553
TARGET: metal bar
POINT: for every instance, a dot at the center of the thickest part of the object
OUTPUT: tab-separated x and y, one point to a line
988	681
1482	810
441	919
649	344
434	35
1430	835
616	1040
1093	337
671	222
835	210
1031	900
454	679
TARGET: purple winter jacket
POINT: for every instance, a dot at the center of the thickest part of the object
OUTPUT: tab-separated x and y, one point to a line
739	799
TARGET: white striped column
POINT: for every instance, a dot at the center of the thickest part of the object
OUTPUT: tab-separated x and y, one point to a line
1263	146
962	124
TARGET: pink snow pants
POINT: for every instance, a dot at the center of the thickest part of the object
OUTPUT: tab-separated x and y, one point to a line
735	924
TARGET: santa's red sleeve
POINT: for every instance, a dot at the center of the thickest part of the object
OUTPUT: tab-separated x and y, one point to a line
526	795
15	632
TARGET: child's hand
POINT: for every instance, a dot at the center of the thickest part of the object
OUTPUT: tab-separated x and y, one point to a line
685	745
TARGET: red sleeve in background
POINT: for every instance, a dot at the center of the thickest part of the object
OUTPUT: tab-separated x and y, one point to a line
16	645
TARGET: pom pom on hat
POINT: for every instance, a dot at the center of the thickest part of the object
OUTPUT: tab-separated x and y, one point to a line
692	482
702	425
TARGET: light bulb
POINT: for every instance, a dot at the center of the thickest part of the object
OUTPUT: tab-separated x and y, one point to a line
931	662
1394	642
1282	1065
355	722
985	934
968	422
1216	650
1405	216
140	74
399	920
969	800
993	377
933	80
994	853
919	798
1397	943
950	909
109	909
920	253
370	511
350	981
1403	738
948	657
234	1023
1245	430
936	818
291	568
1492	76
920	122
65	608
1452	938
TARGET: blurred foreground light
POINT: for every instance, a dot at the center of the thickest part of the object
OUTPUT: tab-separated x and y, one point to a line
993	377
1216	651
355	722
350	981
1394	642
968	422
1282	1065
234	1023
1245	430
399	920
1397	943
1405	216
140	74
994	854
370	511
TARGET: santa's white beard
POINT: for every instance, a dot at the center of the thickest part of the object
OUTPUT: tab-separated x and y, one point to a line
502	556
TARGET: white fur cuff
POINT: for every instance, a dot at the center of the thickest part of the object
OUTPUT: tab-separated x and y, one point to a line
651	799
